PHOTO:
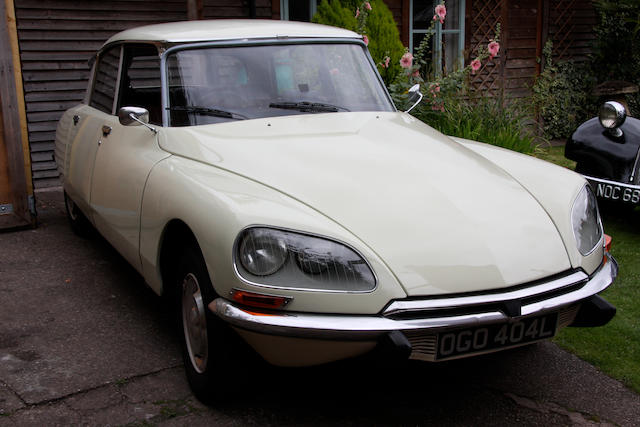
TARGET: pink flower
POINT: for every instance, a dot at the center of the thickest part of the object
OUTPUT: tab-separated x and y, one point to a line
365	39
407	60
386	61
416	73
334	71
441	12
494	48
435	88
367	5
357	12
475	65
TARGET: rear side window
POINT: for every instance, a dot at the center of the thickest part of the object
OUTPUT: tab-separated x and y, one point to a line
104	88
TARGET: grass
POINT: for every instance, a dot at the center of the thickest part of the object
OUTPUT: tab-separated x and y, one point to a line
615	347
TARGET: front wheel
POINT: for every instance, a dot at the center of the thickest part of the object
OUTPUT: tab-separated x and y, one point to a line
208	345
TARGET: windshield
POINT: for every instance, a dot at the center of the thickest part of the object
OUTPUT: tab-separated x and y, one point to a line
221	84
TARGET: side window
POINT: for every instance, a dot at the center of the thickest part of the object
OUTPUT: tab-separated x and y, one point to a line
140	83
104	87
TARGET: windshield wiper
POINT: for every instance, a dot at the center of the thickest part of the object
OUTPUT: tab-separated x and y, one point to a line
305	106
209	112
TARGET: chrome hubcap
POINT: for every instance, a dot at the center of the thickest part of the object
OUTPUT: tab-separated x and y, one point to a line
194	323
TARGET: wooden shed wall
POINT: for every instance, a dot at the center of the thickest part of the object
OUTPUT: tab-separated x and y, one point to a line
525	27
56	38
220	9
570	25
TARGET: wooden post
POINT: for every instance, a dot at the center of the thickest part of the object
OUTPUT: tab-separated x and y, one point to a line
504	43
539	37
405	22
14	132
194	9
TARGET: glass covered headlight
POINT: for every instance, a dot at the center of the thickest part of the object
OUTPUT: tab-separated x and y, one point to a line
290	260
585	219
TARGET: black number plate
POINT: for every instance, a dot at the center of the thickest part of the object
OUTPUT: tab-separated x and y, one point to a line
617	192
494	337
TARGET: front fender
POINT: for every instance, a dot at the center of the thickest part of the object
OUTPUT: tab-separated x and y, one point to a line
216	205
554	187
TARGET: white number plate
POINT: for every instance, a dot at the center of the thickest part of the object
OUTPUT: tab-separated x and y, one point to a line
497	336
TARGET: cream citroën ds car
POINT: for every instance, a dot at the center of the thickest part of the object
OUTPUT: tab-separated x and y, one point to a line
258	172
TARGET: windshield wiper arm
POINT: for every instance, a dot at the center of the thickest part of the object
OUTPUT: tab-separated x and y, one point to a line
305	106
208	111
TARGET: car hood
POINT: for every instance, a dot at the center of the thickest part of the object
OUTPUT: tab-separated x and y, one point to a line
443	218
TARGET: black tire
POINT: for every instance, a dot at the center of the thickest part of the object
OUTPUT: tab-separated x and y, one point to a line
209	346
78	221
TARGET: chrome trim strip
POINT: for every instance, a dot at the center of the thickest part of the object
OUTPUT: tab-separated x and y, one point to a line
358	327
457	302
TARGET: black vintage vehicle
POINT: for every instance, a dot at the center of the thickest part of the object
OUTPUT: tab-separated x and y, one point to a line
607	151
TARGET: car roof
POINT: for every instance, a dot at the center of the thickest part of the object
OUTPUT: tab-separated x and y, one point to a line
228	29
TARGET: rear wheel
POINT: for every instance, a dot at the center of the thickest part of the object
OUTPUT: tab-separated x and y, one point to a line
78	221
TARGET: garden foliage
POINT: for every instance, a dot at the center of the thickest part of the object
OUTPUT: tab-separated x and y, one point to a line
449	104
562	95
374	21
617	47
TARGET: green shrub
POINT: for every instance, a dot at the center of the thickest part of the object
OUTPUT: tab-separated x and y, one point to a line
379	27
562	95
384	40
335	14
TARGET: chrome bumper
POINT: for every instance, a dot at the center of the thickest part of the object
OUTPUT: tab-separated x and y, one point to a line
399	315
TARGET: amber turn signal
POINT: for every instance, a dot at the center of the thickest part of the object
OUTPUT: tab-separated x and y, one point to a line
253	299
607	242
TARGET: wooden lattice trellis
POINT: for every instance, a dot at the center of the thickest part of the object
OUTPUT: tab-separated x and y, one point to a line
484	17
561	26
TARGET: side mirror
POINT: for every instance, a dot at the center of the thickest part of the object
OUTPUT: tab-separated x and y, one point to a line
133	116
612	115
415	96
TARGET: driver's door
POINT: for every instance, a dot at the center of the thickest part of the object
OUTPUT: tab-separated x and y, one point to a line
126	154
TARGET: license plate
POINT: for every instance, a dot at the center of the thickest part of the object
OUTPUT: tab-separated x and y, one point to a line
494	337
617	192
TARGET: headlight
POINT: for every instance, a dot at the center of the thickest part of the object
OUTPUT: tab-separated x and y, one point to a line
290	260
612	115
585	219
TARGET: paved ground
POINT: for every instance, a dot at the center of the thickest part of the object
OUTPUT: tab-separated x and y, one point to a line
83	341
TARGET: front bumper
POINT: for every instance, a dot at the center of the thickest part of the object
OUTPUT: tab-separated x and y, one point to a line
614	190
561	294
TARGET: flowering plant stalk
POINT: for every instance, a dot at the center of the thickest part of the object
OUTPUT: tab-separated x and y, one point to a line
439	85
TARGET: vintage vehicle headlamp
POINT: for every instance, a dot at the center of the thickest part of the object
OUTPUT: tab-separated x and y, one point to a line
612	115
262	253
585	219
290	260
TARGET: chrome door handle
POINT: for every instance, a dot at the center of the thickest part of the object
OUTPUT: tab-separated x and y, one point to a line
106	130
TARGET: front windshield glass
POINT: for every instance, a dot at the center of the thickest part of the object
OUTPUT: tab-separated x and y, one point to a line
221	84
